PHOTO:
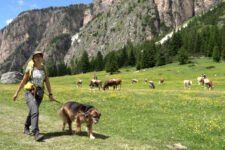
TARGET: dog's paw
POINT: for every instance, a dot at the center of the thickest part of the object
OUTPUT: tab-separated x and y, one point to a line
78	132
70	132
92	137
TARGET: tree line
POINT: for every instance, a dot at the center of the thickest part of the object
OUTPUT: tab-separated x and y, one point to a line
183	44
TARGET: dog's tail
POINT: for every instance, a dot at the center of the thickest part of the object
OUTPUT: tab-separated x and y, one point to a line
63	114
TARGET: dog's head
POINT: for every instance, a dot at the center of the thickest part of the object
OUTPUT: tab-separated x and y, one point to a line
95	115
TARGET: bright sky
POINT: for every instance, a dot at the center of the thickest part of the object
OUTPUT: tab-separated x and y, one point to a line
10	9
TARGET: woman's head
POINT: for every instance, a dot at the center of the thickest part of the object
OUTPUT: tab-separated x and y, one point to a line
37	56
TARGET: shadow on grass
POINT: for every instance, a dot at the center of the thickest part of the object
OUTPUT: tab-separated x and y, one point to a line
58	134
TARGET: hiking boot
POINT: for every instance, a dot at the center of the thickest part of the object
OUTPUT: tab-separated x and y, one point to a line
26	131
38	137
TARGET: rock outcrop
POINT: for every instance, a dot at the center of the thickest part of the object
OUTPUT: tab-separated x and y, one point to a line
11	77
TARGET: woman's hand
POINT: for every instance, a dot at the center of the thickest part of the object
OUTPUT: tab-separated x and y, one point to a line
15	96
51	98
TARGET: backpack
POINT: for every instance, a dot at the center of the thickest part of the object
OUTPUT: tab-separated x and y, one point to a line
30	65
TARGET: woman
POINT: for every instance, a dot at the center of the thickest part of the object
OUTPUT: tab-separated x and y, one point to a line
34	78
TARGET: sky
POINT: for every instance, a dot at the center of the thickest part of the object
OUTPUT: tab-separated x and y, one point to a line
10	9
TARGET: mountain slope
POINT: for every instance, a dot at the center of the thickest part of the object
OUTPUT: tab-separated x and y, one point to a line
137	20
104	26
34	30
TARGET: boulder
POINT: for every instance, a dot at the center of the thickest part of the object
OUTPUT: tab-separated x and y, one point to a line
11	77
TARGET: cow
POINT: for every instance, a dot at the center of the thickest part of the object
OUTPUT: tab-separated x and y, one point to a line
187	84
118	82
113	82
200	80
146	81
151	84
79	83
208	84
161	81
95	83
134	81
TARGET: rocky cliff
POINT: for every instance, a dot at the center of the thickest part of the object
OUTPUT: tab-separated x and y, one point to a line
105	25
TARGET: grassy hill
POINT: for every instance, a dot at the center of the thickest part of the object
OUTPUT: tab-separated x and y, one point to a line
135	117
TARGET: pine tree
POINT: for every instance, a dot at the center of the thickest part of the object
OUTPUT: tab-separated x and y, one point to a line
152	51
75	66
132	59
148	55
99	62
216	54
161	58
138	66
123	59
84	62
111	63
175	44
223	54
63	69
223	42
213	40
198	43
145	62
182	56
210	47
92	64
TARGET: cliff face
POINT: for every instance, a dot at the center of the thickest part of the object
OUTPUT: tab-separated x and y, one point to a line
104	26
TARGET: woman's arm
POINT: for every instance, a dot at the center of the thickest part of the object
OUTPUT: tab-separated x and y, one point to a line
22	83
49	88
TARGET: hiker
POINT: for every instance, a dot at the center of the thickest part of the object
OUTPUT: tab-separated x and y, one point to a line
95	77
34	77
204	76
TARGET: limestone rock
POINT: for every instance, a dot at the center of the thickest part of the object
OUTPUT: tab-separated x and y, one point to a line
11	77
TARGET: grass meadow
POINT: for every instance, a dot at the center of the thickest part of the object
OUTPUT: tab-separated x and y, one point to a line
135	117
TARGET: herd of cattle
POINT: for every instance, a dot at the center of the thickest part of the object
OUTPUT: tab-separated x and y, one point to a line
116	83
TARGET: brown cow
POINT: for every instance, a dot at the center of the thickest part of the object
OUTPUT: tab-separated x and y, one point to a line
113	82
151	84
208	84
161	81
79	83
95	83
200	80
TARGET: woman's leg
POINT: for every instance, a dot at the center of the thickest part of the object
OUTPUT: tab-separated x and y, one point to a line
33	104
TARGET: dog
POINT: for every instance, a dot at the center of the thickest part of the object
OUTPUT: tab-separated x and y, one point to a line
80	113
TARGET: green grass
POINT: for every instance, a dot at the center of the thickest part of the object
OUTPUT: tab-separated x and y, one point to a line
135	117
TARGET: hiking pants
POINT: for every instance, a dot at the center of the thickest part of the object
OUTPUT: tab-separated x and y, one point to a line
32	118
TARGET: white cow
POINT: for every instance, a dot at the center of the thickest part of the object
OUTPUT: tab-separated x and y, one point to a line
134	81
151	84
187	84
